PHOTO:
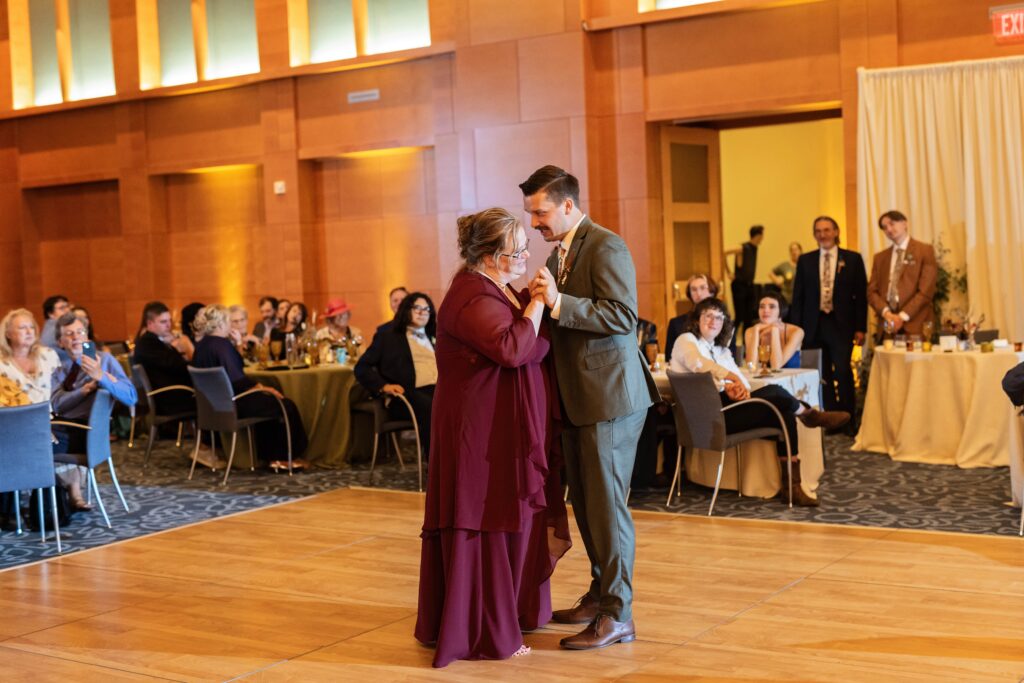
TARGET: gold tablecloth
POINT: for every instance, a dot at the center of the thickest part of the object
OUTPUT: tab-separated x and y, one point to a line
322	396
761	472
941	408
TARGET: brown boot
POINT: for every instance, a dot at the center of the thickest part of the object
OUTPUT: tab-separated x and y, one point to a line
799	496
828	419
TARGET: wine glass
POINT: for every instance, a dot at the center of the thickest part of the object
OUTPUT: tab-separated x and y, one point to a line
764	356
276	347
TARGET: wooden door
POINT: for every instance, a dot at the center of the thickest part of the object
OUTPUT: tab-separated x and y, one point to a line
692	210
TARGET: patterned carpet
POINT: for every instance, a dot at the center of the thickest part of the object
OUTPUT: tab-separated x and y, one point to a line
858	489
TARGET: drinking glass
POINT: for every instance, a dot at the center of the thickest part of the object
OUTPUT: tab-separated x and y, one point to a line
262	355
913	342
928	331
275	349
651	354
764	356
901	342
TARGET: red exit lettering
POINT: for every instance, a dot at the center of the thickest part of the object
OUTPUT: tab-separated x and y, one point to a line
1008	23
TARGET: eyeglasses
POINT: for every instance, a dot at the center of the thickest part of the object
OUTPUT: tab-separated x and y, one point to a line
519	254
421	309
75	333
712	317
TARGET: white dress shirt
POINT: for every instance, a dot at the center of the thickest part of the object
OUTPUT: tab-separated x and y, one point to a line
690	354
565	243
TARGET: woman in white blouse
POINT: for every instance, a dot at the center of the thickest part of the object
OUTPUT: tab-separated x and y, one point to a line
401	360
27	363
704	348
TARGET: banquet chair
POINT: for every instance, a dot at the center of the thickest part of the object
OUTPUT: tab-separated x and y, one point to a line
156	418
700	423
217	411
26	452
97	448
384	425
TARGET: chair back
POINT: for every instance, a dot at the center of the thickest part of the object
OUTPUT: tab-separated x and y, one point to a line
697	410
215	405
26	448
141	379
97	439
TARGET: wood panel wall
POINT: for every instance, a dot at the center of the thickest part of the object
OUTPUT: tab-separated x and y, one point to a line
112	187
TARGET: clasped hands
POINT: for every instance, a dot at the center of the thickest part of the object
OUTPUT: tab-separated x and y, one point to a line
543	287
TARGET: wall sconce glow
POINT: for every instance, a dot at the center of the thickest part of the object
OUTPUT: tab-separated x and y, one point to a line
231	38
397	25
227	168
376	153
645	6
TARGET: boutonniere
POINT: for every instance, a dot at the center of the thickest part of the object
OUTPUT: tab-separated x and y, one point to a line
908	259
840	264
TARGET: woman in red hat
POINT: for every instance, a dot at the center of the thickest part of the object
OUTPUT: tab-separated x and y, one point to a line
337	315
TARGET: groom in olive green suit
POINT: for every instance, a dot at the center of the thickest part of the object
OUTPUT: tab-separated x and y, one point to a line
589	285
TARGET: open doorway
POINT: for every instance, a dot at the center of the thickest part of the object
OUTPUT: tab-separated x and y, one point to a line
722	177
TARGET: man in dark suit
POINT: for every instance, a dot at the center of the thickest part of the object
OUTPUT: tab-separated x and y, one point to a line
589	285
830	304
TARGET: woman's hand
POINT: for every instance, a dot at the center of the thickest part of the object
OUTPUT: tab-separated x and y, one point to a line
392	389
270	390
735	389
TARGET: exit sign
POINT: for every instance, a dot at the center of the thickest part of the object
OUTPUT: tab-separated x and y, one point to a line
1008	23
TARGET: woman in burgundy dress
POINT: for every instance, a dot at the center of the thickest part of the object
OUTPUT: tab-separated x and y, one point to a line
495	523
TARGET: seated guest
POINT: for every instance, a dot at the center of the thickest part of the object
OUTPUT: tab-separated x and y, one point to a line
337	316
703	348
240	337
216	350
770	330
268	318
1013	385
395	297
53	308
25	369
282	309
698	288
83	314
164	356
74	386
401	361
188	316
293	322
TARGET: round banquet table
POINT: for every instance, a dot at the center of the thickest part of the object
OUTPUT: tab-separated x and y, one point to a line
321	394
762	476
944	409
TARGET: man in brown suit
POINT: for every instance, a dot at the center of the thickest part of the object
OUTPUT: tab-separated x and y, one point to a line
902	283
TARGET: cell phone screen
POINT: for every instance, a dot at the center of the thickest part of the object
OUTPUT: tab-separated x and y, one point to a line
89	349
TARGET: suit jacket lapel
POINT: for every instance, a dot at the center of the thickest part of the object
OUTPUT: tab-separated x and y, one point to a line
572	258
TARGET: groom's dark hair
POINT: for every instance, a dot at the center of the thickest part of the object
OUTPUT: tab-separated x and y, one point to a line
558	183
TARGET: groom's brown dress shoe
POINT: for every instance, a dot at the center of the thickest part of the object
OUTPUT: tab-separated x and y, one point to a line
583	612
602	632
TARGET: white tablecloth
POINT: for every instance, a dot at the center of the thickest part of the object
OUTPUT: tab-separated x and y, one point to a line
944	409
761	472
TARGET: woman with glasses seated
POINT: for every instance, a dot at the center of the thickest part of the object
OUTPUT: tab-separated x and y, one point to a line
400	361
705	348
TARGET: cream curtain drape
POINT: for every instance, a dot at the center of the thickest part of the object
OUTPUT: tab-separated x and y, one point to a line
944	144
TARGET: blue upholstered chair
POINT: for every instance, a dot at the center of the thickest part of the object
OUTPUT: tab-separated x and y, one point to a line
217	411
26	459
97	448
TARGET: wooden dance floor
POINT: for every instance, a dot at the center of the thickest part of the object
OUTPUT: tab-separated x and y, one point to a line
324	589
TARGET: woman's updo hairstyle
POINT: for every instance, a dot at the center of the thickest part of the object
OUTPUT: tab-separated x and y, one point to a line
209	318
487	232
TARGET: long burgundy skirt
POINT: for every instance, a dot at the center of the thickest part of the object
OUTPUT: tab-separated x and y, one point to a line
480	590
